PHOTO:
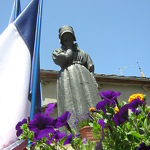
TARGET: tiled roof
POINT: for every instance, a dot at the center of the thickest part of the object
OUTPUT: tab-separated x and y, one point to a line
49	75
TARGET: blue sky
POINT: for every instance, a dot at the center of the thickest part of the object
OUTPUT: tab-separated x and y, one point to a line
115	33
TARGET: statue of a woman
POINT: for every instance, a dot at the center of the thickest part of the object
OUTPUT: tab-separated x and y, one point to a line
76	86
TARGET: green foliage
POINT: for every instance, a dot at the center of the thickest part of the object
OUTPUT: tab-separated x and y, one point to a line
113	135
128	135
79	145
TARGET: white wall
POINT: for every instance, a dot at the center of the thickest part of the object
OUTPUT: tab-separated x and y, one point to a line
49	94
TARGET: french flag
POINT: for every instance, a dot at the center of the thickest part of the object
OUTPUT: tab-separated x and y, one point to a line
16	52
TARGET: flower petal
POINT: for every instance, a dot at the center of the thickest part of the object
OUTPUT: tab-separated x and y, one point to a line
19	124
143	146
109	94
101	105
62	120
121	116
102	123
41	126
68	140
57	135
49	109
135	103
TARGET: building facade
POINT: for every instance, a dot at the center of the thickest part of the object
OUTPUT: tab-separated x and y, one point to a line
127	85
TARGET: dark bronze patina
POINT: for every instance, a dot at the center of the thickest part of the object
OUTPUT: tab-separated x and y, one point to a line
76	85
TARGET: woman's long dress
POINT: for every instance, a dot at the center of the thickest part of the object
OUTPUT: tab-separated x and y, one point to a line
76	86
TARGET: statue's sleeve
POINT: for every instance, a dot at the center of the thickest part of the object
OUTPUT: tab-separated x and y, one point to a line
90	65
61	57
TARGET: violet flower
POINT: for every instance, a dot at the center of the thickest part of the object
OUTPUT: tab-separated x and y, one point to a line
102	123
19	124
137	112
121	116
74	125
76	121
49	109
49	141
101	105
99	145
41	126
110	97
32	145
143	147
109	94
62	120
68	139
84	141
134	104
111	103
57	135
105	103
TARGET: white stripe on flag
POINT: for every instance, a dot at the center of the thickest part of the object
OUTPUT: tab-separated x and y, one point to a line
15	63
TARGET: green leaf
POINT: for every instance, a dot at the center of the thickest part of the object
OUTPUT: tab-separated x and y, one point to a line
109	114
134	133
62	140
145	123
100	116
24	127
83	147
91	124
96	125
31	135
144	97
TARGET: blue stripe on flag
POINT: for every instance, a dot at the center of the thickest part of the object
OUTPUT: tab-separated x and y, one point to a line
26	24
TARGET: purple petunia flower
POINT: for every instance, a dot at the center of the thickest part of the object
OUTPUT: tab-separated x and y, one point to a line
41	126
49	141
105	103
32	145
69	139
110	99
84	141
137	112
101	105
57	135
76	121
62	120
19	124
135	103
143	147
121	116
102	123
109	94
49	109
111	103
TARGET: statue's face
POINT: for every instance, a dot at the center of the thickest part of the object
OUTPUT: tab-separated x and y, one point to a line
67	39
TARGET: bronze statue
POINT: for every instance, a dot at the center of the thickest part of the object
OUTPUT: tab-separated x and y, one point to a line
76	85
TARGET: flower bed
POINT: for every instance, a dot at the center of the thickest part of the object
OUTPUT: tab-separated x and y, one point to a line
122	125
116	125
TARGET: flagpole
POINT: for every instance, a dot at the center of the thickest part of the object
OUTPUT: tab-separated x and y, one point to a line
16	10
36	68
